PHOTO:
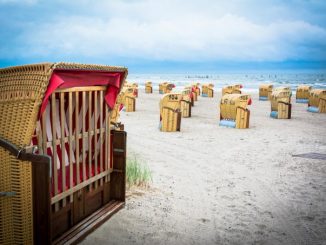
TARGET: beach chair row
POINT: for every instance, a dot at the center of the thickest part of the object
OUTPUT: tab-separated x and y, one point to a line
234	110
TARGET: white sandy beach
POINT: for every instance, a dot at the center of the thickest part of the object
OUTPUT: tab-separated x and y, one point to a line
215	185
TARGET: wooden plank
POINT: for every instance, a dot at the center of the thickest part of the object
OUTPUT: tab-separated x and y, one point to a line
118	176
71	169
101	134
95	135
41	202
81	89
77	134
54	148
89	134
44	135
87	182
89	224
63	148
107	134
84	131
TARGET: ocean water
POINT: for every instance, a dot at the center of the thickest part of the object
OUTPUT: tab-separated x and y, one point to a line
250	81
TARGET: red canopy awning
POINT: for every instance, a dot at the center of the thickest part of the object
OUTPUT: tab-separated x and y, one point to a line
62	78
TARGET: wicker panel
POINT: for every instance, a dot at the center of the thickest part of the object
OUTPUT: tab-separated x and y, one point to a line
21	93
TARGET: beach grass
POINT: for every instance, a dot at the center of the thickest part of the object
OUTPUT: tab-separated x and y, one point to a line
138	172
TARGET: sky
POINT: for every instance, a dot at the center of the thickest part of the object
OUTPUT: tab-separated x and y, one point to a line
166	35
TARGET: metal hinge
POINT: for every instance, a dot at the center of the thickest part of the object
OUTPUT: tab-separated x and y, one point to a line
118	150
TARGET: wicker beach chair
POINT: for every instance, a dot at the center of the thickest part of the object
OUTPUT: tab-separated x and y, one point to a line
170	112
234	112
186	102
208	90
317	101
135	87
196	87
166	87
129	99
281	103
115	114
265	91
302	93
232	89
192	94
148	88
62	166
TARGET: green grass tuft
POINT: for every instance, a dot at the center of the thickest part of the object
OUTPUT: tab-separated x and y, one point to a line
138	173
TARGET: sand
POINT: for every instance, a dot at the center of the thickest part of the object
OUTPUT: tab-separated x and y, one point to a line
215	185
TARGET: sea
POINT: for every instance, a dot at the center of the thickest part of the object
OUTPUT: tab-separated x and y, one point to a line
250	81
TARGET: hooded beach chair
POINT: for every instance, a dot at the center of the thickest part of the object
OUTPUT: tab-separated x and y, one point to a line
317	101
62	166
302	94
129	99
281	103
166	87
135	87
148	88
265	91
234	112
208	90
170	112
115	114
232	89
196	87
160	87
192	94
186	102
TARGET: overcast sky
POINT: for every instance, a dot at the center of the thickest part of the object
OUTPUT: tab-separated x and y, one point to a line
171	33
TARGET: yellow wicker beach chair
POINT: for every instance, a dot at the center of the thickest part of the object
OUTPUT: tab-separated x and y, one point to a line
196	87
165	87
170	112
208	90
62	167
192	94
115	114
234	112
265	91
281	103
232	89
317	101
129	99
160	87
135	87
186	102
302	94
148	88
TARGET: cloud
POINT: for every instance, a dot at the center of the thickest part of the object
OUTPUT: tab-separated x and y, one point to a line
176	31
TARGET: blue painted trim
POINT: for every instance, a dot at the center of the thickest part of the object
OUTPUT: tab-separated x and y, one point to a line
227	123
305	101
313	109
263	98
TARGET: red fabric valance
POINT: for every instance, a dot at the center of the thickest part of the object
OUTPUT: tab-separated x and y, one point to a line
81	78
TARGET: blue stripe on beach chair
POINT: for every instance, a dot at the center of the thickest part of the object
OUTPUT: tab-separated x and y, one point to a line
305	101
313	109
263	98
227	123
